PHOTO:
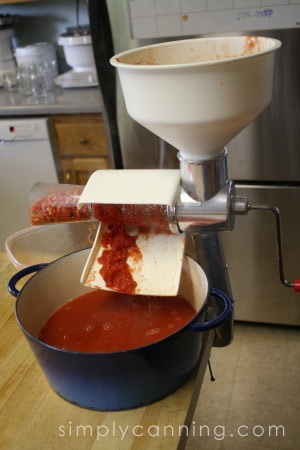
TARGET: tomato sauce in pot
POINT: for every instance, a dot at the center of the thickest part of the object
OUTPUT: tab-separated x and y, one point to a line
104	321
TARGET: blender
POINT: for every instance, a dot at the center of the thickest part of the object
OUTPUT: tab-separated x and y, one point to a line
78	51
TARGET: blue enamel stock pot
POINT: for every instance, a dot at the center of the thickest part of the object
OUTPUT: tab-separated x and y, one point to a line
118	380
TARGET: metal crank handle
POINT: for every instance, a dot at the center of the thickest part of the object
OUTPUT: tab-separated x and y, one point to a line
240	205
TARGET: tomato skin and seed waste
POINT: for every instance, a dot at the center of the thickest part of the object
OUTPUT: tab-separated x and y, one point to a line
118	245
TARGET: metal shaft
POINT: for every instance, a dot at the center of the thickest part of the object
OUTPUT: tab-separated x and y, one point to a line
209	253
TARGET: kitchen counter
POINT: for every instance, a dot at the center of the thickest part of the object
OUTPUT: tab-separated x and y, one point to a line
61	101
33	416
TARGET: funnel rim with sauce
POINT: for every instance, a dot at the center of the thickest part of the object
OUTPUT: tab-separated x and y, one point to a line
195	100
116	61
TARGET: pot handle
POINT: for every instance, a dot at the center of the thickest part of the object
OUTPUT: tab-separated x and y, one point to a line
19	275
214	323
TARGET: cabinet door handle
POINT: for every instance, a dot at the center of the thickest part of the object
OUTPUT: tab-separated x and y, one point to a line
83	141
68	175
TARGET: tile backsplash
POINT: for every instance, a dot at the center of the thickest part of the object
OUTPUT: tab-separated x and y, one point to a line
166	18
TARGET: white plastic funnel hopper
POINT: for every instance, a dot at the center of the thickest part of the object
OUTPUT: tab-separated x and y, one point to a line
197	94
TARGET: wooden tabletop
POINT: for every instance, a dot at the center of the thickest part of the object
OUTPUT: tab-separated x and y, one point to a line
32	416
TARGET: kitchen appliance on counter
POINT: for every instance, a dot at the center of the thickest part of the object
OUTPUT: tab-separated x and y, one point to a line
263	158
27	155
7	60
78	51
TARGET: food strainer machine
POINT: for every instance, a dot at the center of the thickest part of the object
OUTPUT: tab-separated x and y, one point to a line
197	94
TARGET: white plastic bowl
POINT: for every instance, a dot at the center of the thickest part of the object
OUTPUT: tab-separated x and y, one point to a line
46	243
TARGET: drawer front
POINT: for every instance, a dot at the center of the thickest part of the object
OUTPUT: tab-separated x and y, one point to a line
80	135
79	170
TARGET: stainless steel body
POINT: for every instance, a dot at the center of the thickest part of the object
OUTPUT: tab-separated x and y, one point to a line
26	156
203	179
209	252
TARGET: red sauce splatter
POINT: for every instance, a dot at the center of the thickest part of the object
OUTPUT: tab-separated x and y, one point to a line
105	321
252	45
